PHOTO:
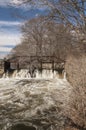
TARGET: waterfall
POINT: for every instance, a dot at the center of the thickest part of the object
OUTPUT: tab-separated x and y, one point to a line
25	73
21	74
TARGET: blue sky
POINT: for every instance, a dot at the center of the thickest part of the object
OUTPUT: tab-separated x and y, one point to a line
11	21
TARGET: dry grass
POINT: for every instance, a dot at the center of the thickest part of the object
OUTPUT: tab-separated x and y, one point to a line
76	74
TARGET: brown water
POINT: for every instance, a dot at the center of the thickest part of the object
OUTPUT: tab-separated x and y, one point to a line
30	104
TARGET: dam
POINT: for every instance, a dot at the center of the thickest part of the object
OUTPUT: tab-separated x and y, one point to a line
33	94
33	67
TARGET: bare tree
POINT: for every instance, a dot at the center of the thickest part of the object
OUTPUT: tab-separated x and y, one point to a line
44	38
67	11
33	32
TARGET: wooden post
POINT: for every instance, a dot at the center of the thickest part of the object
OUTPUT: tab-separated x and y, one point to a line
18	66
41	67
53	66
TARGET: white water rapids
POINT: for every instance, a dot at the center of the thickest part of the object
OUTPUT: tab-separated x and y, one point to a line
45	74
35	103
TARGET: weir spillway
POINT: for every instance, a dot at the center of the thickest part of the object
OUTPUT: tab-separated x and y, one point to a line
34	67
34	100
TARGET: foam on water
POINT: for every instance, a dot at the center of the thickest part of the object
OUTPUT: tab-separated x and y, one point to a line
23	98
25	73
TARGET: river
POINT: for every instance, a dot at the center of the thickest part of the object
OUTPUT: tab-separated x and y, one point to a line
33	104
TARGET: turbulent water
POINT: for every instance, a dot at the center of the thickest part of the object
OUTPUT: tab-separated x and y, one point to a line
25	73
30	104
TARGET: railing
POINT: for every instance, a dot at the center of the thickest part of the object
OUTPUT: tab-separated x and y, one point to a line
38	58
44	62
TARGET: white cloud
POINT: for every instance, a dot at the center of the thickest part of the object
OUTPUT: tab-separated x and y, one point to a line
5	49
11	2
9	23
17	1
9	39
2	55
4	2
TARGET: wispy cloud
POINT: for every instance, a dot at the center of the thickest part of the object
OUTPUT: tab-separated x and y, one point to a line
7	2
5	49
7	42
19	3
9	39
9	23
2	55
10	2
